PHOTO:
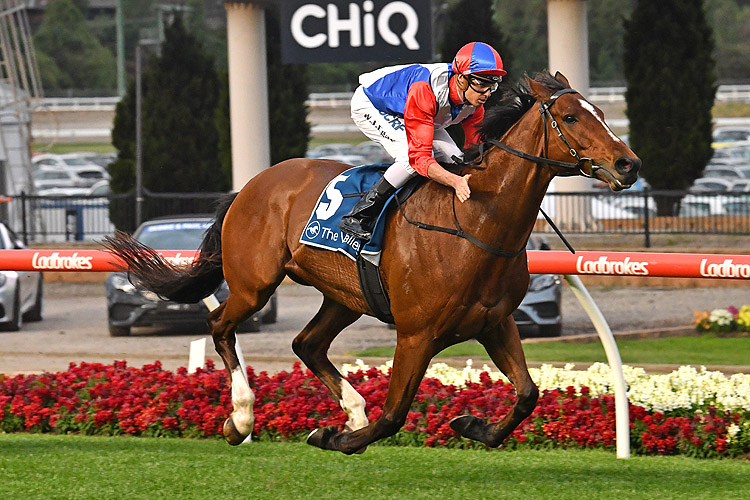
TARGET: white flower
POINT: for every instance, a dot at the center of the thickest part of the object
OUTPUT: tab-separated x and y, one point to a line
721	317
684	388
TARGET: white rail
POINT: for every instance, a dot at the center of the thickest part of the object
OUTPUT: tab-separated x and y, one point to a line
725	93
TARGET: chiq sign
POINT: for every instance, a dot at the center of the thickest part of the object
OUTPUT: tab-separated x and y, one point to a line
345	30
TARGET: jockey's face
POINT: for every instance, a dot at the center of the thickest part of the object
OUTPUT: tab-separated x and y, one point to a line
475	91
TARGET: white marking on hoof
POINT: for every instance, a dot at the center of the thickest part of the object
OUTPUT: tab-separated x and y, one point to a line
353	405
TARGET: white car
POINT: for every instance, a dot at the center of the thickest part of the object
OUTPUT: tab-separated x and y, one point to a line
46	177
731	134
20	291
712	185
342	152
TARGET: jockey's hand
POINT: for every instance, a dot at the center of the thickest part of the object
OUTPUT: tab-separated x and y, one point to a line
462	188
460	184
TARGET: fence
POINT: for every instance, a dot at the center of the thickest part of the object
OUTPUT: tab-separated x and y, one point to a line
42	219
649	212
51	219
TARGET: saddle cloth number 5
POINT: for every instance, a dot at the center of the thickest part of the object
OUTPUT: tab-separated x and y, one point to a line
326	210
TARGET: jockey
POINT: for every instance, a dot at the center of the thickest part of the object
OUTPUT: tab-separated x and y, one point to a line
406	110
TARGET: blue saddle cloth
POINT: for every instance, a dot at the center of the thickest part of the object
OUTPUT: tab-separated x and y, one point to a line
337	200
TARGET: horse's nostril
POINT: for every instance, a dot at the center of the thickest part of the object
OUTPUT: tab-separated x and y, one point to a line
625	165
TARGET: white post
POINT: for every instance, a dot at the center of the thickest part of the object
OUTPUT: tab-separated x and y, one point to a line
622	413
568	52
248	91
197	357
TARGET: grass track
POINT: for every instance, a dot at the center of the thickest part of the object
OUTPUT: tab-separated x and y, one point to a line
78	467
703	350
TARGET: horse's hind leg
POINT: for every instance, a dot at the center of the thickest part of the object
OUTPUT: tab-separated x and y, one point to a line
410	362
504	347
224	321
312	344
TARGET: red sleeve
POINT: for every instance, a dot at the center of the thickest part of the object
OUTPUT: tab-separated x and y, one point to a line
471	127
419	117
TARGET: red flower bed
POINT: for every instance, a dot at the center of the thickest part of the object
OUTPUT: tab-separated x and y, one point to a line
117	399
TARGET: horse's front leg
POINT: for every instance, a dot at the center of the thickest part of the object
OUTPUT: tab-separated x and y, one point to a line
410	362
504	347
240	423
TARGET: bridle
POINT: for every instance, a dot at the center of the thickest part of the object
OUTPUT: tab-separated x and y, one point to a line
584	166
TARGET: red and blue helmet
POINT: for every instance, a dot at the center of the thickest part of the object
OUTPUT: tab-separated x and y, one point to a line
480	59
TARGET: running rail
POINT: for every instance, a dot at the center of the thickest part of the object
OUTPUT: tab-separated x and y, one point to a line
672	265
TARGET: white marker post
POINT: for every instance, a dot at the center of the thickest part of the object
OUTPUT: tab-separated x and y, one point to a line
197	357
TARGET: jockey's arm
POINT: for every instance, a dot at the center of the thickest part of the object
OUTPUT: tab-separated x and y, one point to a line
420	131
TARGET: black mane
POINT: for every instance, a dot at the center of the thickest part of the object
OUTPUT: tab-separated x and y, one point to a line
515	102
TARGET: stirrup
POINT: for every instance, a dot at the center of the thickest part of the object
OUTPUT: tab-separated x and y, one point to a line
354	227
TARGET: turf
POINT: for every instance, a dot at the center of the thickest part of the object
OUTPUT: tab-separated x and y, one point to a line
51	467
703	350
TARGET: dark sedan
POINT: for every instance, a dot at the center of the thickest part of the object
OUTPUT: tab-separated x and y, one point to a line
129	306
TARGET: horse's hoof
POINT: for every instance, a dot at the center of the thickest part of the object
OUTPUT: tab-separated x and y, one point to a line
322	437
231	434
469	426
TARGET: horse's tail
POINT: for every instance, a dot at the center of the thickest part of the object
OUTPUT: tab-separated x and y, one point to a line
184	284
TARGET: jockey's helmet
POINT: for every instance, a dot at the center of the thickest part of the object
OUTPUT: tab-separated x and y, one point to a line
479	60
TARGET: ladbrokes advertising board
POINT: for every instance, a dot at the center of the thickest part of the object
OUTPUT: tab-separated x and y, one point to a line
346	30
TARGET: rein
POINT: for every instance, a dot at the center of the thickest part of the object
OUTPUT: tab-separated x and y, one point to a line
576	168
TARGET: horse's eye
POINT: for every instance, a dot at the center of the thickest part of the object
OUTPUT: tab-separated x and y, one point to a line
570	119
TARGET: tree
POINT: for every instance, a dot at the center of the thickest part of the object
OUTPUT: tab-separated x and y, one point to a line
669	67
526	26
70	55
472	21
180	91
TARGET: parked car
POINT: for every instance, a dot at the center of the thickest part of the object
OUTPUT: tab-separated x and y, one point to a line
540	313
712	184
129	306
342	152
101	159
100	188
731	134
66	160
20	291
46	177
373	152
724	171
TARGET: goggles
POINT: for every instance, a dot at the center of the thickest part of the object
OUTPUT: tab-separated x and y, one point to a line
482	85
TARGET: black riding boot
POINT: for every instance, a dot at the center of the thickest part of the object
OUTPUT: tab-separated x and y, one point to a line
360	221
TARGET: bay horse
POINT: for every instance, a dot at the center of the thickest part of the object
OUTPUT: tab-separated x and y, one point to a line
443	289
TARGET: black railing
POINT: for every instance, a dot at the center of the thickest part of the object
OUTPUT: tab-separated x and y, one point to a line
49	219
40	219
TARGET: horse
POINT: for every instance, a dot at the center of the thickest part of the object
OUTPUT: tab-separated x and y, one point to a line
444	289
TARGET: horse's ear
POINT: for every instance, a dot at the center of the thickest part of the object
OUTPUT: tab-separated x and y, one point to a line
538	91
561	78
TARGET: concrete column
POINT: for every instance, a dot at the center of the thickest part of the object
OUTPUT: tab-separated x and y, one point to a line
568	50
248	91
